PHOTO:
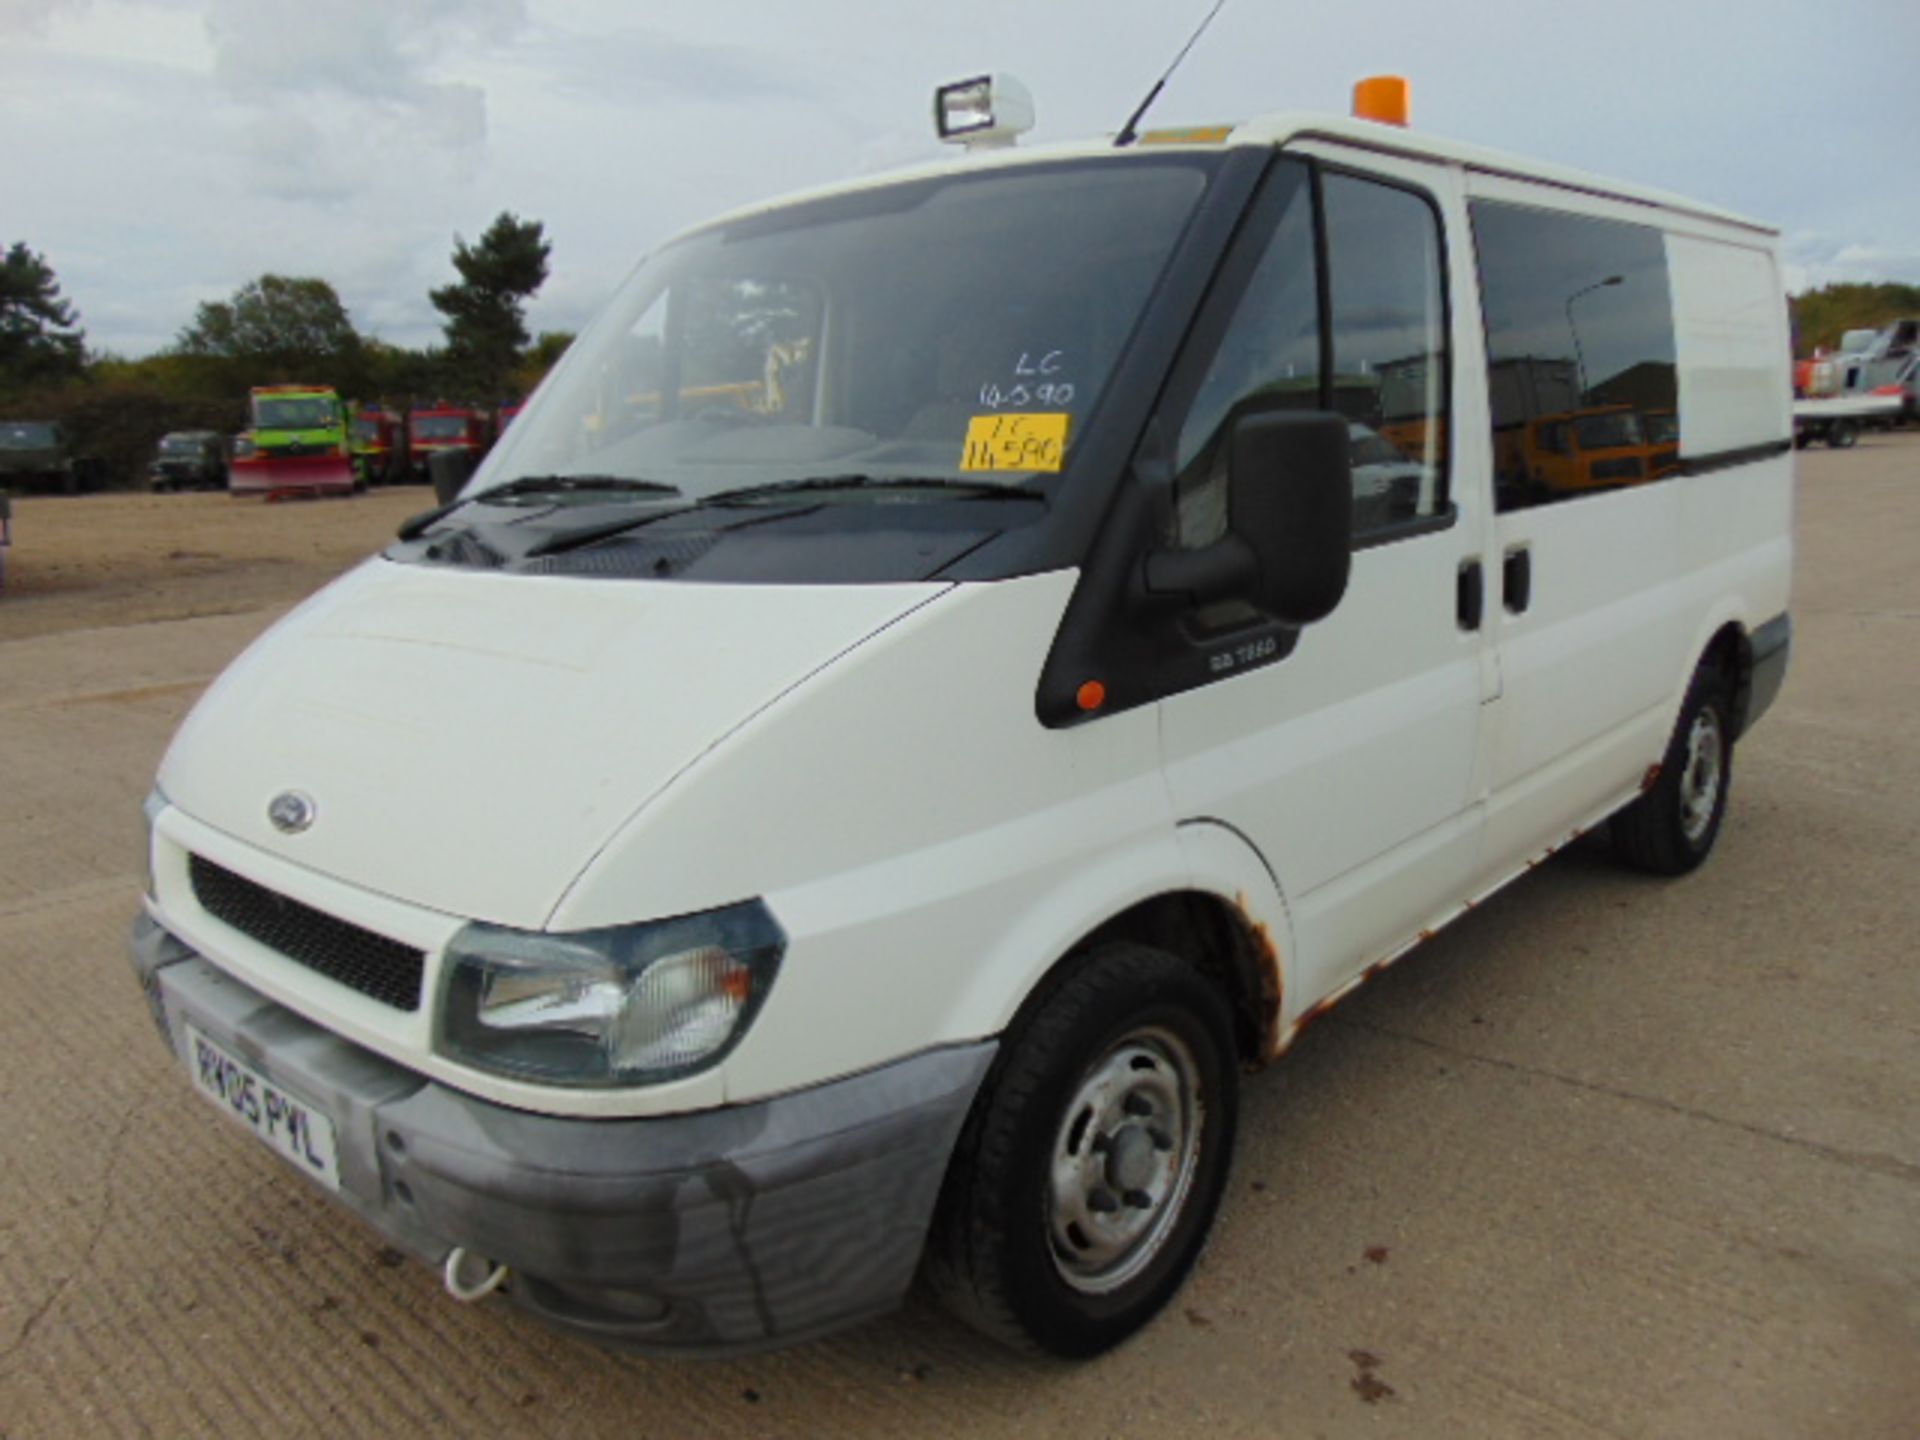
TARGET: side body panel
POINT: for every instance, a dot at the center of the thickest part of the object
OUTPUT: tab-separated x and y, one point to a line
1350	762
1628	585
1735	521
929	847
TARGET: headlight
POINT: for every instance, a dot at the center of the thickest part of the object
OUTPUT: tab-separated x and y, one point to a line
628	1005
151	808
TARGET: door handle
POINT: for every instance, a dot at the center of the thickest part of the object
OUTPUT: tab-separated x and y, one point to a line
1469	595
1516	580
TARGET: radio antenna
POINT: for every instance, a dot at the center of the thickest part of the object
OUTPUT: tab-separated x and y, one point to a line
1129	132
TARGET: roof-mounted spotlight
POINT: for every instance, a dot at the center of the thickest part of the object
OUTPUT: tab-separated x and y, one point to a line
985	112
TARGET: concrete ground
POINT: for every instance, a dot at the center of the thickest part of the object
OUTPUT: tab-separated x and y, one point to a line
1610	1157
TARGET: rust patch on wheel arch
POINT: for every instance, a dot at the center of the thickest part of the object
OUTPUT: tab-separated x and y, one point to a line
1269	986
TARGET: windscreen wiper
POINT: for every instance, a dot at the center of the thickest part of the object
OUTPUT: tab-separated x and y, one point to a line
574	485
962	489
415	526
781	489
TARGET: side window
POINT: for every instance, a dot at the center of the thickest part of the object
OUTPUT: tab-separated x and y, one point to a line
1387	338
1580	353
1389	348
1267	358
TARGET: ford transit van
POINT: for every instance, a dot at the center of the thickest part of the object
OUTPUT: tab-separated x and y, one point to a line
925	701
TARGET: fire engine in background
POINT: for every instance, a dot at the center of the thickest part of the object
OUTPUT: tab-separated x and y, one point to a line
379	446
435	429
297	444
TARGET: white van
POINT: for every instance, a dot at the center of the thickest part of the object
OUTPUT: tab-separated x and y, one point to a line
920	704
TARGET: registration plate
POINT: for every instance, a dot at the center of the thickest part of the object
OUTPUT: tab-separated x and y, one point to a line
298	1131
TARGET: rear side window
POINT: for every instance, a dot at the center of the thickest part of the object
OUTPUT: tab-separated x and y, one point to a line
1581	376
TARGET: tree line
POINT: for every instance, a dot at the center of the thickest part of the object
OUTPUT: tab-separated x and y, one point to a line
1821	317
274	329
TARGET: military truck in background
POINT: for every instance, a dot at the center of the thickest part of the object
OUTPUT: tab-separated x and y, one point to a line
35	455
188	460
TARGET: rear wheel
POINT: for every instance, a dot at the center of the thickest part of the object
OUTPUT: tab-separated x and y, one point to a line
1672	828
1087	1176
1844	435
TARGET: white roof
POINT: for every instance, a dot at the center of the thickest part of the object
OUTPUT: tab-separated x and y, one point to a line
1278	129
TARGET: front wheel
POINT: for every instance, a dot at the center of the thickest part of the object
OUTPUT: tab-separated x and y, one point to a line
1671	829
1087	1176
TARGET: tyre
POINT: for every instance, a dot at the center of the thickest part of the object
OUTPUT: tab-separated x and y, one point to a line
1844	435
1087	1175
1671	828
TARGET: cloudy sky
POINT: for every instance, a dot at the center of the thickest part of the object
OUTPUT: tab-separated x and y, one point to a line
164	152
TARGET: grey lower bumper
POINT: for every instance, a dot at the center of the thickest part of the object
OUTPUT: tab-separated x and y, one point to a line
723	1230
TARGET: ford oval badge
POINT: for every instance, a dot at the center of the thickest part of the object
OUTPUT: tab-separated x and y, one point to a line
291	812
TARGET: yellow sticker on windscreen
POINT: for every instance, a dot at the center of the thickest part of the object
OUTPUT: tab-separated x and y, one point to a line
1016	442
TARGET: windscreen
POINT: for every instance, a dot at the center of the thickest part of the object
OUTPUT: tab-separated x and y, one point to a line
292	412
440	427
30	435
1602	432
955	328
1662	427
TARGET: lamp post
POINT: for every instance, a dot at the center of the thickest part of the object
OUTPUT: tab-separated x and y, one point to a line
1579	358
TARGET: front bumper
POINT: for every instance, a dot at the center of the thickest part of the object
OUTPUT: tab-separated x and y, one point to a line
718	1231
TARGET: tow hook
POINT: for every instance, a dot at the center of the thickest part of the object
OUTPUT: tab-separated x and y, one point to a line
470	1277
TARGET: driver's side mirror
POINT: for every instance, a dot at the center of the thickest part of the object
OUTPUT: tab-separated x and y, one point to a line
1289	541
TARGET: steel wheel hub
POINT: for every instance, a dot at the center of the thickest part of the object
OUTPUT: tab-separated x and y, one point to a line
1123	1160
1700	780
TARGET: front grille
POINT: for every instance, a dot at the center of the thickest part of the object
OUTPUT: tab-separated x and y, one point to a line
378	967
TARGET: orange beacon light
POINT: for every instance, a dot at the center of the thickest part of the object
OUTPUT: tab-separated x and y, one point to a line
1386	98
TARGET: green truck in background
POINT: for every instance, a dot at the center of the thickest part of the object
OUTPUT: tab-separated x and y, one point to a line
297	444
